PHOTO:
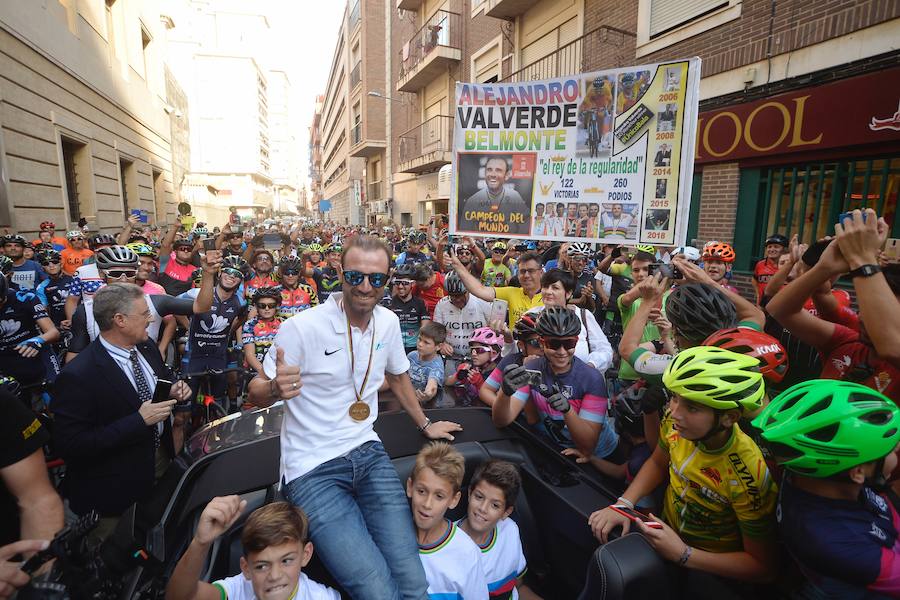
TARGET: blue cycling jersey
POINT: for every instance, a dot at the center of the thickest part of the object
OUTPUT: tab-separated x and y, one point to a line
847	549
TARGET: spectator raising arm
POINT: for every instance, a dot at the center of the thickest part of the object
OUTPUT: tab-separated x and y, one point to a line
473	285
860	241
786	306
746	310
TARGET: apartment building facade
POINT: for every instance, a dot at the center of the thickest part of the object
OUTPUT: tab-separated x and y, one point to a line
86	125
315	159
217	50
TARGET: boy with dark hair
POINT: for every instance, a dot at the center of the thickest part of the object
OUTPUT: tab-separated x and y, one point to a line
276	548
492	498
451	560
410	309
426	369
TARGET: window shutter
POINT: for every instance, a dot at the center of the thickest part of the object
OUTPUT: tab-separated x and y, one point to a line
666	14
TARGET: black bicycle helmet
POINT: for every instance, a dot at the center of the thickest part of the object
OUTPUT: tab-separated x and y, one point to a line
290	263
525	326
116	256
6	265
558	321
46	256
237	263
777	238
626	410
15	238
697	310
453	284
417	237
183	243
405	271
197	277
273	292
102	239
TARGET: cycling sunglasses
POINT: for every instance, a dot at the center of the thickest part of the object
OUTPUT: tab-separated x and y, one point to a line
233	272
266	306
403	281
290	272
120	273
480	349
355	278
533	342
557	343
50	262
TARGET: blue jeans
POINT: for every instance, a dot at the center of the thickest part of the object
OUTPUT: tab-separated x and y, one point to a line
361	525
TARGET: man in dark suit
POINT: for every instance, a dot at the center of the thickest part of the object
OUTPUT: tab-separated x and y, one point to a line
105	425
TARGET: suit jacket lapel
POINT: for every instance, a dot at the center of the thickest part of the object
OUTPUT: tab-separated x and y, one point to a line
114	375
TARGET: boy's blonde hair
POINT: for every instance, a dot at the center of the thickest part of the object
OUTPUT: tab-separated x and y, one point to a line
446	462
272	525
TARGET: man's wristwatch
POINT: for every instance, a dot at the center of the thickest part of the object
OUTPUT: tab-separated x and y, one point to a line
425	425
864	271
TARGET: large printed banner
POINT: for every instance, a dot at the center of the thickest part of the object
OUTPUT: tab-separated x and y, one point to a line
605	156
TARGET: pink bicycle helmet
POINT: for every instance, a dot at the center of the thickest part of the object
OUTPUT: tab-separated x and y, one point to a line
487	337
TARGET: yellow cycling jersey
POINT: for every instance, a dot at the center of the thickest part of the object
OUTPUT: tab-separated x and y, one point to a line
519	302
715	498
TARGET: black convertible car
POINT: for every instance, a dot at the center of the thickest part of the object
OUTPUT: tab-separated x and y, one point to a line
240	455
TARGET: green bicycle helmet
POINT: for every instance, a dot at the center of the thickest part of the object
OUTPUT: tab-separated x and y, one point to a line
317	248
197	277
142	249
717	378
822	427
648	248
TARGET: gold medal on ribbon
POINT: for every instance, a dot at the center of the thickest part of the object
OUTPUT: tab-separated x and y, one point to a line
359	410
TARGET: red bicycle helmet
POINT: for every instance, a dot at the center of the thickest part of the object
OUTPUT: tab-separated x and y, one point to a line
45	225
719	251
773	360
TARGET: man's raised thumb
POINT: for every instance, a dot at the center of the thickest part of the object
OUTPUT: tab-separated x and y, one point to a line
279	357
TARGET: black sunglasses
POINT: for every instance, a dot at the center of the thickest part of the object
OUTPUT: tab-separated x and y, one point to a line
118	274
290	272
355	278
557	343
266	305
533	342
50	262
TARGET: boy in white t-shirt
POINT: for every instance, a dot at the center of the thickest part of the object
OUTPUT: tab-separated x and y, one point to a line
451	560
276	548
492	497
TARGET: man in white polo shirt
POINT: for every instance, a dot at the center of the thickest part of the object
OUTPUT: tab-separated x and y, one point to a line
333	465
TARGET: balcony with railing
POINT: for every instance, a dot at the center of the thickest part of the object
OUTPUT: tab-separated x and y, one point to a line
355	75
508	9
356	133
361	143
435	45
427	147
601	48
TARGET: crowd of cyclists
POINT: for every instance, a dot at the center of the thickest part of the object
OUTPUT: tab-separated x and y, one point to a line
755	434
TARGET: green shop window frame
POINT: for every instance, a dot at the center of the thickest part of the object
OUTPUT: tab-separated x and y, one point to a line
806	199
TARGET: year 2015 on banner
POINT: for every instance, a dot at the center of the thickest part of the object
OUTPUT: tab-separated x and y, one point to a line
606	156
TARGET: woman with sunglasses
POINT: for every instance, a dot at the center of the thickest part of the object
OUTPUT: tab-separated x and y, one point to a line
557	287
259	332
54	291
569	396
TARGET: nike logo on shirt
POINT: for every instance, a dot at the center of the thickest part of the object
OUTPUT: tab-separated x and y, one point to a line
327	353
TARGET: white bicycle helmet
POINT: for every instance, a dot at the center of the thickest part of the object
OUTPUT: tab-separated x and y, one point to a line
578	249
689	252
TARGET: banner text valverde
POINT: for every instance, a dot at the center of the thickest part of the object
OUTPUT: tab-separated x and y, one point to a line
554	92
506	141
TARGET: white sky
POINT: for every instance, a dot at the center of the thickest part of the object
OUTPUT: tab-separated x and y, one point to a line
304	33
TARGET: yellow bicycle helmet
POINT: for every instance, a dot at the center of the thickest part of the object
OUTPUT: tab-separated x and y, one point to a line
717	378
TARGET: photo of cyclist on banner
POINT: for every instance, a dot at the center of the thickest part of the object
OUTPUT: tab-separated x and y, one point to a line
595	117
498	192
